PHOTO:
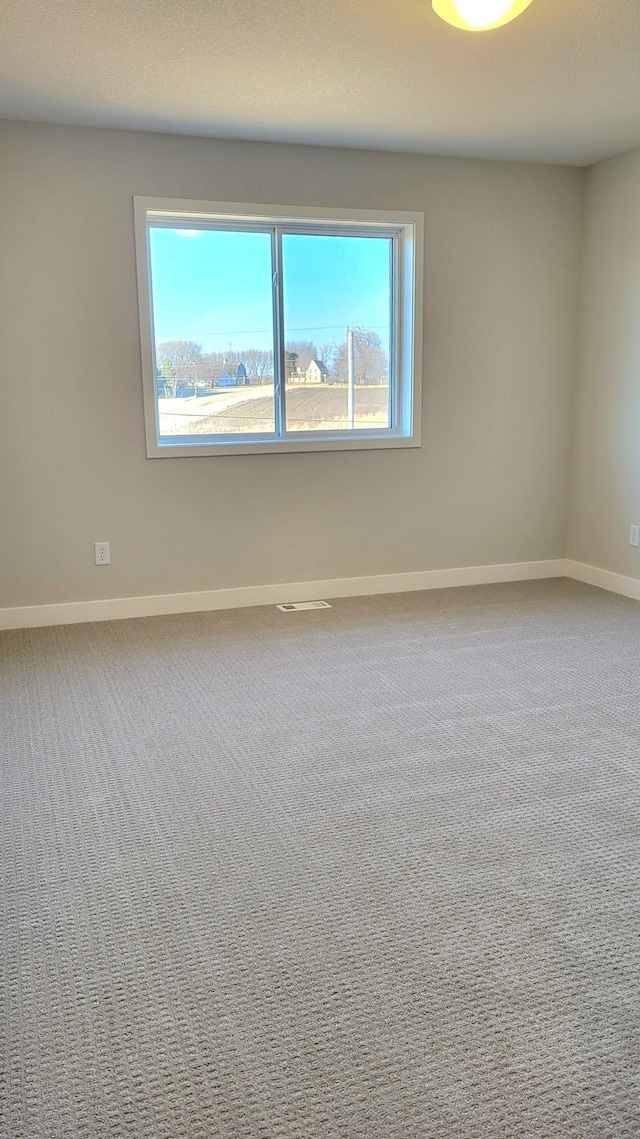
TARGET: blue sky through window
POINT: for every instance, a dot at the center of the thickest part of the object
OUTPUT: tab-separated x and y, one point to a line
214	287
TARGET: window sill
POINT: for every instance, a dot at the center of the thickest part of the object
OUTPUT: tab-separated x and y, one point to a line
185	447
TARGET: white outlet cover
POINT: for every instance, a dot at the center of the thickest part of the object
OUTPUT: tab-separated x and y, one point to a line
634	535
102	553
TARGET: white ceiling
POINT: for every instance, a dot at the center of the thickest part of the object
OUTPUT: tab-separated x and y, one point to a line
560	84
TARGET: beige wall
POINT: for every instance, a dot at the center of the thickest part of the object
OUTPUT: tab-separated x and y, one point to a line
490	483
605	496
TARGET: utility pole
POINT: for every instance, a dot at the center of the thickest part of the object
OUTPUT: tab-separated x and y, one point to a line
350	380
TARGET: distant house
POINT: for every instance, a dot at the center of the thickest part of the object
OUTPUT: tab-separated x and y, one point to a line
317	372
228	376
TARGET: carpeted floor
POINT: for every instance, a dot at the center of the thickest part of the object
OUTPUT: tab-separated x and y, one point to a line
371	872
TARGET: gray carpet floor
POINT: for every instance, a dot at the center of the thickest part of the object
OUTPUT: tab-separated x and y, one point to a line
371	872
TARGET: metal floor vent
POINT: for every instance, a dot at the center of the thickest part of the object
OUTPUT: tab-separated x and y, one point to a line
292	606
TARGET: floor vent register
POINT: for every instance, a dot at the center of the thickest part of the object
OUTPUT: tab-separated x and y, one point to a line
296	606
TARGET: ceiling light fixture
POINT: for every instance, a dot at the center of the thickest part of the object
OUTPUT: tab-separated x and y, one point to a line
479	15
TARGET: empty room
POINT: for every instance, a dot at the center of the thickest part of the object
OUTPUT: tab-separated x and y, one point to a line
320	569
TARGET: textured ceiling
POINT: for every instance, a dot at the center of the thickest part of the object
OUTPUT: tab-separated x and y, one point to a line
560	84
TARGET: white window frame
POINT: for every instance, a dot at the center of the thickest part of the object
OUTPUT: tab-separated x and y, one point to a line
406	230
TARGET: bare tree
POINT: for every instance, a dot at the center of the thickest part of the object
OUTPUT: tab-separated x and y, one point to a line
175	360
327	354
304	350
371	362
259	363
291	364
179	352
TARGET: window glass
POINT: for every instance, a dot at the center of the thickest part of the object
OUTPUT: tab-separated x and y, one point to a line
337	293
212	331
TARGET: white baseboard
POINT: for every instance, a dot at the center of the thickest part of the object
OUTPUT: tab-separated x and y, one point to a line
604	579
115	608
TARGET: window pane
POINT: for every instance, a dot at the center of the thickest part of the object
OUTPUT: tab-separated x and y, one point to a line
337	315
213	331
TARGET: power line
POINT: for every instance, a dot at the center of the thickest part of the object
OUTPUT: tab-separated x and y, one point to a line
261	331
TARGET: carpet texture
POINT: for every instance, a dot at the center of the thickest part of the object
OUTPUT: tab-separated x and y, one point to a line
371	872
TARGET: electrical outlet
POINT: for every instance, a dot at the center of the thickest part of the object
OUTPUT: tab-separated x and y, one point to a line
634	535
103	553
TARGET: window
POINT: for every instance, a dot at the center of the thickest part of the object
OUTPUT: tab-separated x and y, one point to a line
269	329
